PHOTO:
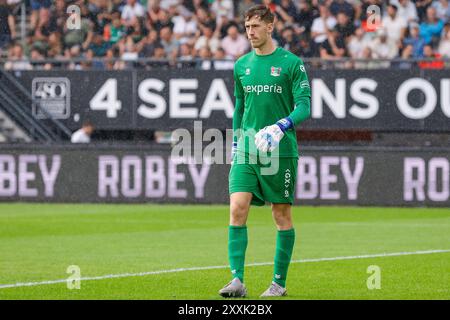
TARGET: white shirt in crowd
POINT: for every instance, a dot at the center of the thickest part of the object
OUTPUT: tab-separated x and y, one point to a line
319	27
130	12
80	136
235	48
394	27
212	43
407	11
181	26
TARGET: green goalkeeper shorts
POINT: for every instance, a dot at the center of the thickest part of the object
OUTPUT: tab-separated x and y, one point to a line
269	180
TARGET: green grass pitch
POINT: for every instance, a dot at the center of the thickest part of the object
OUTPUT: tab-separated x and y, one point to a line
39	241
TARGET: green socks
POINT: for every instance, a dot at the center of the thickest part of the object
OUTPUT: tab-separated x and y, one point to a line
237	244
283	254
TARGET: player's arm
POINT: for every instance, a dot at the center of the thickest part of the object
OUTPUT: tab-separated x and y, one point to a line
268	138
301	92
238	111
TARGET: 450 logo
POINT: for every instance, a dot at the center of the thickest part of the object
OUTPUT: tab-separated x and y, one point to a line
51	95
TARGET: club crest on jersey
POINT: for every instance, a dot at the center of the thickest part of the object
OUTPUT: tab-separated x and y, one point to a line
274	71
247	71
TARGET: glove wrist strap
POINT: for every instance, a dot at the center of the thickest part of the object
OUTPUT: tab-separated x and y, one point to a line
285	124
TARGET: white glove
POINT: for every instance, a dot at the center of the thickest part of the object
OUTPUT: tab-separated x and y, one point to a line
268	138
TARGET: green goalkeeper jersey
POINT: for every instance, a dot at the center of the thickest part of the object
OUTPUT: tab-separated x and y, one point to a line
271	86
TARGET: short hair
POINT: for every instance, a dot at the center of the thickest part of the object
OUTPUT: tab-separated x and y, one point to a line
261	11
87	123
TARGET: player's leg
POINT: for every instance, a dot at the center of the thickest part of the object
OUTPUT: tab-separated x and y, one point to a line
279	189
244	191
283	252
237	243
285	241
237	232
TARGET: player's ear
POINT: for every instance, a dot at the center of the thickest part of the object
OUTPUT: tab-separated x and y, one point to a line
270	27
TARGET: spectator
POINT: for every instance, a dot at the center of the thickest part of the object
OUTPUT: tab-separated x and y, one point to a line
344	26
114	31
270	4
169	43
128	49
146	47
110	61
289	41
221	61
342	6
74	53
432	27
82	36
383	47
185	26
37	60
55	45
153	11
334	47
235	44
407	53
286	11
415	41
83	135
422	7
205	56
305	16
223	26
433	59
98	46
7	25
132	11
207	39
185	52
164	21
357	43
444	46
370	20
16	59
223	8
322	25
204	18
305	48
368	63
406	9
442	8
242	7
40	14
395	24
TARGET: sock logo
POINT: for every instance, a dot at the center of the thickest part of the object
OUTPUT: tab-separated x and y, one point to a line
233	271
277	276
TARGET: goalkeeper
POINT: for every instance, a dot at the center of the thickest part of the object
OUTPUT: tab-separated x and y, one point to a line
272	97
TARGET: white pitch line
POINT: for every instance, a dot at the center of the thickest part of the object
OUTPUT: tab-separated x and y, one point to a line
141	274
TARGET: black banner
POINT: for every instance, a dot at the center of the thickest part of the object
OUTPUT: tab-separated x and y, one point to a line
362	176
379	100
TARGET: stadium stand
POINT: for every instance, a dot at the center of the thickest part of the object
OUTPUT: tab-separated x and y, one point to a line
112	33
209	34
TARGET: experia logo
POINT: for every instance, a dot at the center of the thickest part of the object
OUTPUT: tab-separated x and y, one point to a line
260	88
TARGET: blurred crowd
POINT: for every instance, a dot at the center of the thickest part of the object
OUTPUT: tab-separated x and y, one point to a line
209	34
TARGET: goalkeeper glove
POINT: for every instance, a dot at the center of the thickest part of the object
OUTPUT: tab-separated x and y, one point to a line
268	138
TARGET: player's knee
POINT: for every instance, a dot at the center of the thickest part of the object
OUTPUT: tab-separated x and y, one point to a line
239	212
283	219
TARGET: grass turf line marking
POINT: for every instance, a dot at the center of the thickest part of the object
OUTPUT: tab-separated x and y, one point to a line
141	274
